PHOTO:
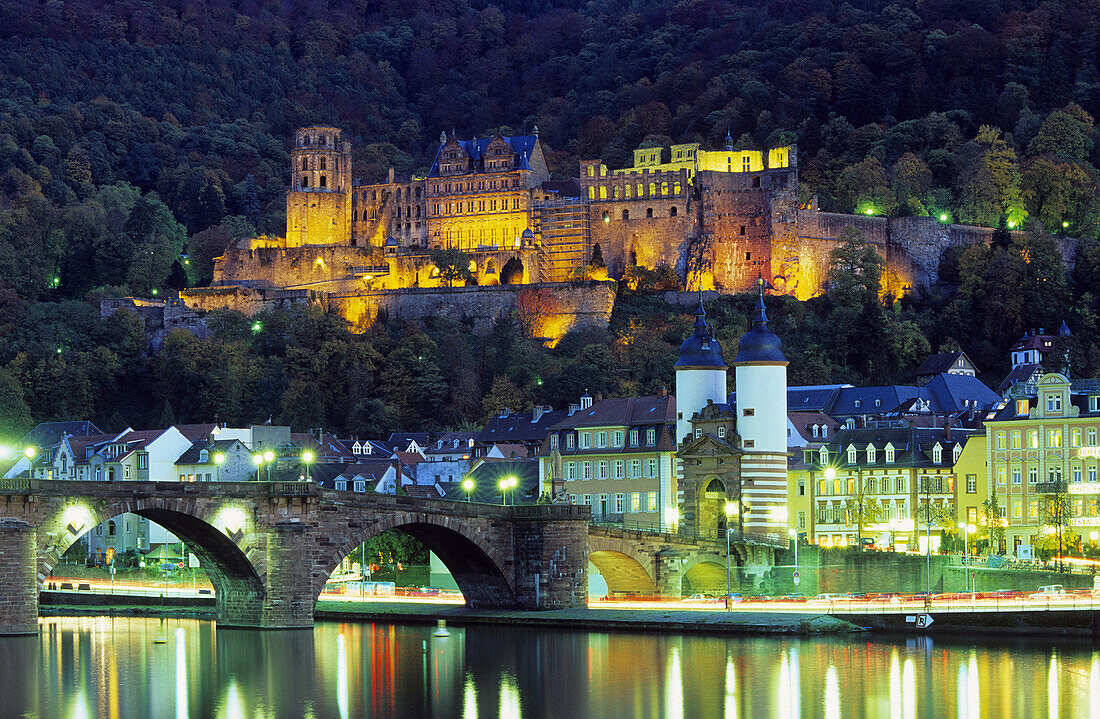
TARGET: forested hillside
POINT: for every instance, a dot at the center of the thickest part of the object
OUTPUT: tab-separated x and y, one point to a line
138	138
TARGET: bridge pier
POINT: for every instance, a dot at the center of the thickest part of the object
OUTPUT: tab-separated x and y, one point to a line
289	598
18	577
667	564
551	558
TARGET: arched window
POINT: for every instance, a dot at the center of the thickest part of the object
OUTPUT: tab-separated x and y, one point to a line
323	165
626	214
305	180
672	211
649	212
305	163
591	193
323	182
111	528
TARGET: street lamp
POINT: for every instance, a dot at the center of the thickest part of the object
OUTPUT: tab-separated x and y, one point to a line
307	459
258	460
967	529
794	540
269	458
730	509
506	484
219	460
468	487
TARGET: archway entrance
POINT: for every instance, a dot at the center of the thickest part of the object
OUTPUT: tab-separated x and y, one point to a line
622	573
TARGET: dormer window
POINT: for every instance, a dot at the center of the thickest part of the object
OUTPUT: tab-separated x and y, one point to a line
823	456
1054	403
553	442
824	430
851	454
850	423
878	402
858	403
1021	407
721	431
651	437
570	441
956	453
871	454
889	454
937	454
815	430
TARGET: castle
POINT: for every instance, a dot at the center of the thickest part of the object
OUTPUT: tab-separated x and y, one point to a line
722	218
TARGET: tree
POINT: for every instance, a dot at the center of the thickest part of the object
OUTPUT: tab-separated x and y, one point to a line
1056	511
862	508
1066	132
15	414
988	180
503	394
864	188
991	522
453	265
912	186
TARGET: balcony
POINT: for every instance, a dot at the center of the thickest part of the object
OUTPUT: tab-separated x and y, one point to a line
1058	487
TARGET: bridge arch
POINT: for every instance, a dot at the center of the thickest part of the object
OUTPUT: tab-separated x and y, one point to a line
706	573
220	534
474	560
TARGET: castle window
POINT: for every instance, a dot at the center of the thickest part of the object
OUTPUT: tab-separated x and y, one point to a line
652	189
603	192
626	214
649	212
756	181
626	191
745	164
324	165
676	189
398	196
641	189
592	193
365	213
742	233
418	210
305	163
615	192
672	211
305	180
591	171
664	188
748	257
322	182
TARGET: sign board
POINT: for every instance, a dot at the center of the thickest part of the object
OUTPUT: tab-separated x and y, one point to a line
192	561
796	579
1024	551
922	621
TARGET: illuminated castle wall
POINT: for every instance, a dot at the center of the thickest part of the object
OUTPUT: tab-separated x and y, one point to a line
722	218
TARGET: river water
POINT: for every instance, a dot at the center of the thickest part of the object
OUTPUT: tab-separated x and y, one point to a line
103	667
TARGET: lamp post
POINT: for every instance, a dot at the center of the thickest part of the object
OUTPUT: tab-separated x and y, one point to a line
307	459
794	540
468	487
967	529
258	460
219	460
269	459
506	484
730	509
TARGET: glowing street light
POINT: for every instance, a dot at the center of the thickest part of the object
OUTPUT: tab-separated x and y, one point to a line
219	460
30	452
257	327
506	484
307	459
258	460
269	458
943	217
468	487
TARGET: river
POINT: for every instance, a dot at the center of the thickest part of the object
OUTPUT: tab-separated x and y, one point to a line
78	668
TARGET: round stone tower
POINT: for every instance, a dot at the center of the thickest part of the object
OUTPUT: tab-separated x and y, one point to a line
700	374
318	206
760	377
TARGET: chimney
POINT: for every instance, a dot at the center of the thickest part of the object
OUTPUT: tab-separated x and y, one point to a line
537	411
663	392
947	429
573	409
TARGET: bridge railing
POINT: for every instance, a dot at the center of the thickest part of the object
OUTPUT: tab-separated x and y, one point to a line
17	485
705	536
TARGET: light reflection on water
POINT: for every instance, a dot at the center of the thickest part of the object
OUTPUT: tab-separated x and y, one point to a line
101	667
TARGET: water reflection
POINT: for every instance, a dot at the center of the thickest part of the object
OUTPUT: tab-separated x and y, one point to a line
112	668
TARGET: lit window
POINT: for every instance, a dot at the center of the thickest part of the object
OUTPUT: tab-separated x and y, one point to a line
1033	438
1054	437
1021	407
1016	439
1000	440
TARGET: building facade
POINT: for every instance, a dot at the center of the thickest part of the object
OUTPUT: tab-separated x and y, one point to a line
617	456
1043	450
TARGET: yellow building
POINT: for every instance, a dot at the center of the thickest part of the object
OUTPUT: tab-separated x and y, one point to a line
688	156
901	481
1044	447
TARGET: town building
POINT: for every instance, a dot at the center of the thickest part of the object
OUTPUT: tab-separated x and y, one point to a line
897	485
1043	449
617	456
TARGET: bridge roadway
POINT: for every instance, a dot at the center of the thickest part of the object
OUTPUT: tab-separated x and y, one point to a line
269	547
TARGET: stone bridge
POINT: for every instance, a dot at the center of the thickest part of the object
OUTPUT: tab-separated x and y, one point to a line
269	547
641	563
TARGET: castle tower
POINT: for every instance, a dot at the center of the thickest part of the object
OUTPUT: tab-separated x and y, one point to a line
700	374
760	376
318	206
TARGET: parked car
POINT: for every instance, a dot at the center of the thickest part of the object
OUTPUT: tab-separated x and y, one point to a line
1050	591
830	598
